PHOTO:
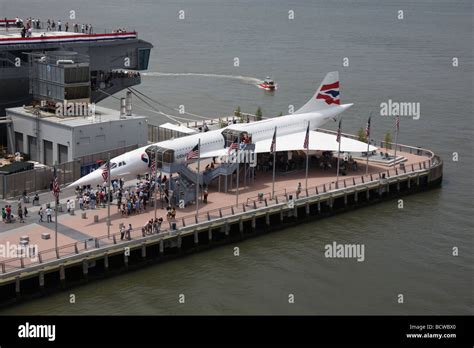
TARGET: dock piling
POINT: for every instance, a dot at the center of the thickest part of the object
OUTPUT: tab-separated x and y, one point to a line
106	262
196	237
125	260
162	246
41	280
62	275
210	234
17	285
85	269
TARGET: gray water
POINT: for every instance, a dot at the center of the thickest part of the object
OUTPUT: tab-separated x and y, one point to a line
407	251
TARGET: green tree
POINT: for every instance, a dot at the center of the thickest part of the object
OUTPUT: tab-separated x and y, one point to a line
222	123
361	135
237	112
388	140
258	114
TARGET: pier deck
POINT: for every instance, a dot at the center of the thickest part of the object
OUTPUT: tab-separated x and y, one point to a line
83	240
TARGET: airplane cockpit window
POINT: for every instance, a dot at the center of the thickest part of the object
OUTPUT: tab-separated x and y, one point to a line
112	165
163	155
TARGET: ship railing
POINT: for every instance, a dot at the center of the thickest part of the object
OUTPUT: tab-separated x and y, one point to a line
172	228
414	150
94	31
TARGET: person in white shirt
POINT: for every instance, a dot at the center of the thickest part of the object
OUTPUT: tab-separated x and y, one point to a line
49	212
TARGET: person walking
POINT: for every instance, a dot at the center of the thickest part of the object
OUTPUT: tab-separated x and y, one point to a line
129	231
40	213
298	190
122	232
20	215
48	214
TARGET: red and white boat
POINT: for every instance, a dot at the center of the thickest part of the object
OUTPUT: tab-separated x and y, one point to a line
268	84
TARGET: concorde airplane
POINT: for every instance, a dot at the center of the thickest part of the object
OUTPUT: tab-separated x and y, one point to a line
290	134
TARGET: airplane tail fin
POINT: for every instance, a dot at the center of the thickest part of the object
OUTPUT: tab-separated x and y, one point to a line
326	95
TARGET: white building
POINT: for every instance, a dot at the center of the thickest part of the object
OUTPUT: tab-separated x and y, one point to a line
49	138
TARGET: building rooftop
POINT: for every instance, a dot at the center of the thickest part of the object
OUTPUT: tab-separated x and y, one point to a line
102	115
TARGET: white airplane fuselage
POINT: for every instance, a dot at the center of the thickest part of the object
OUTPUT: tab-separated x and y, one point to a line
135	162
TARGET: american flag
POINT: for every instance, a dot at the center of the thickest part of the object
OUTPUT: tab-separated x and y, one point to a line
397	123
367	130
273	145
194	153
105	171
56	188
306	139
233	146
338	137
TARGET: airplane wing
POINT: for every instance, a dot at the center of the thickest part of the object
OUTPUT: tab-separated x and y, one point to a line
317	141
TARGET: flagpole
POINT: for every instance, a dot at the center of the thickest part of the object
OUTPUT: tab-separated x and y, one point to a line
197	177
338	156
274	159
307	162
369	125
238	176
156	179
56	197
108	194
396	140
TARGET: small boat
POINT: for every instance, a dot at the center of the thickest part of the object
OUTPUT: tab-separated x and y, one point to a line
268	84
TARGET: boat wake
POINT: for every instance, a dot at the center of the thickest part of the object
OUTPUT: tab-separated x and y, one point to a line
245	79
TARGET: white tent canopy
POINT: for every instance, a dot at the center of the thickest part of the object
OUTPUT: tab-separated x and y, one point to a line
178	128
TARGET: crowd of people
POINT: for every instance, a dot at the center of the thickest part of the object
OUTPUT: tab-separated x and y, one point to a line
30	23
9	217
104	79
51	25
346	162
129	200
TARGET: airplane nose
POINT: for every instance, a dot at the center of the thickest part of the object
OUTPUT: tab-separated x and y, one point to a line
93	178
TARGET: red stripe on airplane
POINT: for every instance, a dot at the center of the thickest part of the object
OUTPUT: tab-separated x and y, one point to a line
328	99
330	86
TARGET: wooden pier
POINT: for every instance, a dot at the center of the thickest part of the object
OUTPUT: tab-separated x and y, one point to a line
82	261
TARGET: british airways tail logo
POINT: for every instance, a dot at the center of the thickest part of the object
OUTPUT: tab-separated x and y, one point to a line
330	93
